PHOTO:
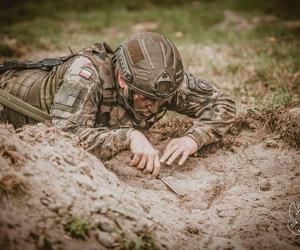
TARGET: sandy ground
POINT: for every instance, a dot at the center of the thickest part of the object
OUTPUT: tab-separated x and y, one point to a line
235	198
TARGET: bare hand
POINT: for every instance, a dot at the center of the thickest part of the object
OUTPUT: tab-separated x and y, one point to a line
184	146
145	156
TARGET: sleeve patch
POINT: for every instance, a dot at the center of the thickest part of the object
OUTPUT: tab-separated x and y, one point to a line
199	85
68	94
86	74
204	85
68	98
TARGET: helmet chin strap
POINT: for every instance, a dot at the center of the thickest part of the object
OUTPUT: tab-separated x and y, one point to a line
139	121
125	99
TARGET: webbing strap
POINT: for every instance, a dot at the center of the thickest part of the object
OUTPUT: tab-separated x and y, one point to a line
22	107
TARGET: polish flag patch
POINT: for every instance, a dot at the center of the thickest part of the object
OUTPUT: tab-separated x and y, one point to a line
86	74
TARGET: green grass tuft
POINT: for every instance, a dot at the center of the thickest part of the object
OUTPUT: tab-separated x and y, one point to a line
78	228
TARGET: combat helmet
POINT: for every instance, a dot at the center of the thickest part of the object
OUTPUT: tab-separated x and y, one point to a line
151	65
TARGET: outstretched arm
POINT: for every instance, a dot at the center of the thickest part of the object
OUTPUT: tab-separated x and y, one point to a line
213	113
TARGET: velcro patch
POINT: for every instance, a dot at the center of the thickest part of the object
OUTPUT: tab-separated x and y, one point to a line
204	85
86	74
67	94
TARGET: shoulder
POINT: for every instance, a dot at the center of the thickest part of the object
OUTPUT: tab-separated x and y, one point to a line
193	84
81	82
101	57
82	66
82	74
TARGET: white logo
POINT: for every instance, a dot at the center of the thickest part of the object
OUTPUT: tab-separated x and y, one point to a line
294	223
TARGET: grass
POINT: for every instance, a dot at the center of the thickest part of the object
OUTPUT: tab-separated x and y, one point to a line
144	242
197	20
78	228
244	46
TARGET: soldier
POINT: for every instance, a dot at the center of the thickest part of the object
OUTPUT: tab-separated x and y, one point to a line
109	99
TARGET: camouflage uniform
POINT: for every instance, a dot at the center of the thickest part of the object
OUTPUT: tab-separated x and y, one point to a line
81	96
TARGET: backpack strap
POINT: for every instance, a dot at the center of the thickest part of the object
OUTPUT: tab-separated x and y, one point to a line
22	107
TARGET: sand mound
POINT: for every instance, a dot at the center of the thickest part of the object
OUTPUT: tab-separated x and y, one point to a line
54	195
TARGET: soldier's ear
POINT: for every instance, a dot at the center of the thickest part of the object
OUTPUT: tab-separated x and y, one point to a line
121	80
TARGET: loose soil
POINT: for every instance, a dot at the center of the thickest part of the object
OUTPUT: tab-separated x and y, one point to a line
235	196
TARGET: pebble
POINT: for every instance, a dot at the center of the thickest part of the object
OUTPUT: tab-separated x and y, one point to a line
234	149
69	159
193	229
45	201
107	239
257	173
85	169
271	143
107	225
54	207
265	184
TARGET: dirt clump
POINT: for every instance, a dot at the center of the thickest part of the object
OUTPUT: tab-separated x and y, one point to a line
290	129
284	122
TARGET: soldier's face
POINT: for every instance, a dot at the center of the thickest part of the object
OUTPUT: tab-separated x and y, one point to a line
146	106
142	104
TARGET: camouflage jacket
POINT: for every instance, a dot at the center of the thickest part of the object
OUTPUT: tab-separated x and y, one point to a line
85	104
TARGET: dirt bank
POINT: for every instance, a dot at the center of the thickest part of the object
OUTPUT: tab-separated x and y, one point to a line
235	198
